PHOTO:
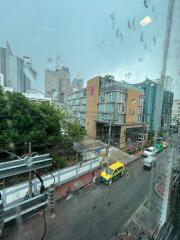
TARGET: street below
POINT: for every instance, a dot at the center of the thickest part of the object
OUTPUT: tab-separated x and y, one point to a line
96	212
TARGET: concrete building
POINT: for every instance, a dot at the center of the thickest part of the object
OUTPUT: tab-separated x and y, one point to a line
12	67
57	83
76	105
166	110
77	83
176	111
107	102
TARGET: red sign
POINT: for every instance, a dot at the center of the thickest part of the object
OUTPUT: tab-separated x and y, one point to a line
91	90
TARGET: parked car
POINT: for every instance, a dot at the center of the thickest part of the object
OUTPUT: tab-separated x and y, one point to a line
112	172
150	151
160	139
148	162
159	147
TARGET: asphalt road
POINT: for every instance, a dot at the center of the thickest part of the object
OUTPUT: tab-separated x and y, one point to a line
98	212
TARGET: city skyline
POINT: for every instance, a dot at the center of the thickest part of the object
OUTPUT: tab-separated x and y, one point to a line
108	43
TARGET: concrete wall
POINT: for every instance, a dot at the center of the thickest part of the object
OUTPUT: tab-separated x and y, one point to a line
92	106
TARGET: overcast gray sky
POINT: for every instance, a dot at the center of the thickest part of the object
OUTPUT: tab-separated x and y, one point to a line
93	37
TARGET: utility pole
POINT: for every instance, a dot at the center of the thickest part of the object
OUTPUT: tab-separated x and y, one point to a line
109	141
30	175
110	128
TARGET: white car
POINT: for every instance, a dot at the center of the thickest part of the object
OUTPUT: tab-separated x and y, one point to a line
151	151
148	162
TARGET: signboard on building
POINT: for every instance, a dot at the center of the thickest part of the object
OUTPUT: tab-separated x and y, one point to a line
91	90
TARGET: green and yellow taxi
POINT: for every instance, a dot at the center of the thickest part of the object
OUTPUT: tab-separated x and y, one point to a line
112	172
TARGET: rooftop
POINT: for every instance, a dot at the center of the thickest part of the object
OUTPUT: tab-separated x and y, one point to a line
116	165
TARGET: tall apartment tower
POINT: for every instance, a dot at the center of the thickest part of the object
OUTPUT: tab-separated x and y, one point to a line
12	68
3	63
51	83
57	83
64	87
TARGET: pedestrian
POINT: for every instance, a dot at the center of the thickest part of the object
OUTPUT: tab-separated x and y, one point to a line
127	173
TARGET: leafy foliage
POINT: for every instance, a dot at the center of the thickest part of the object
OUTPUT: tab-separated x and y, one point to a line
23	121
58	161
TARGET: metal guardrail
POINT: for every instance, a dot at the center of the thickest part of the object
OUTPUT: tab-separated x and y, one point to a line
23	165
17	193
26	208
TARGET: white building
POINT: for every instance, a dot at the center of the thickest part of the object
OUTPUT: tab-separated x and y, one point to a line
9	89
38	96
13	69
1	79
176	111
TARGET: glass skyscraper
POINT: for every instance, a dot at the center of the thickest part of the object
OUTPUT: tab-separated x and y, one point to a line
12	67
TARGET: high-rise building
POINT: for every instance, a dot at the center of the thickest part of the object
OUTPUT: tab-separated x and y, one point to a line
167	83
77	83
9	89
167	110
64	87
157	111
1	80
3	63
51	83
12	67
57	83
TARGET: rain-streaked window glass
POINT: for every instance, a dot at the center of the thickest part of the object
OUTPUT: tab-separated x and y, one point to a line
89	119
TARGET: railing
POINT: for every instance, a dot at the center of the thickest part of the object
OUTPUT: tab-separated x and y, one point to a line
19	192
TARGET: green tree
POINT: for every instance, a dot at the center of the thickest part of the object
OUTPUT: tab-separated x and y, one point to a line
23	121
74	131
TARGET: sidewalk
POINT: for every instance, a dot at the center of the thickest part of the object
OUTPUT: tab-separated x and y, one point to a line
77	183
160	187
120	156
143	222
87	179
115	153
